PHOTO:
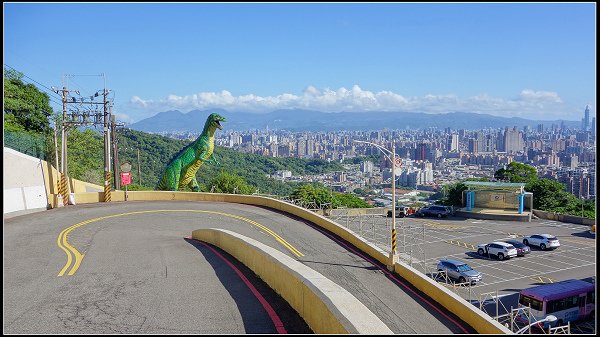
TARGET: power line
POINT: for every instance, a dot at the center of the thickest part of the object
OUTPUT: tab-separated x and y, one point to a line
32	79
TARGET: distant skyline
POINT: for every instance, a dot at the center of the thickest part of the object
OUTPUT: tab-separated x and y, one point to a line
528	60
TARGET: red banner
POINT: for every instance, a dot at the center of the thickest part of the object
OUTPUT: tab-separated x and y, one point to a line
125	178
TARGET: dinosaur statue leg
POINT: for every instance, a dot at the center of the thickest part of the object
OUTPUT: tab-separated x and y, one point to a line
174	174
194	185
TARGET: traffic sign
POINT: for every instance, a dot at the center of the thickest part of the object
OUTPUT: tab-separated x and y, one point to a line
126	167
125	178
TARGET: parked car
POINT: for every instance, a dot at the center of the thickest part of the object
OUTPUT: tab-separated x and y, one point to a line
437	211
522	249
502	250
401	212
542	240
459	271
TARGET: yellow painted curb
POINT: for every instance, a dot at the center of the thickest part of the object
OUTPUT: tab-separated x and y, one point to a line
325	306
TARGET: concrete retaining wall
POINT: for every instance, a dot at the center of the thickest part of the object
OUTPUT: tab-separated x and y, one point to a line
564	217
24	185
30	184
325	306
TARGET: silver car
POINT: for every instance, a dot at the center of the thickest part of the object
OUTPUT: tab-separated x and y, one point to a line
459	271
544	241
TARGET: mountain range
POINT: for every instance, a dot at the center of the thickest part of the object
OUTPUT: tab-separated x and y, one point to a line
308	120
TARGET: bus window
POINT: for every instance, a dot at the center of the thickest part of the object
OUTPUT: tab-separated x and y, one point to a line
590	297
562	304
528	301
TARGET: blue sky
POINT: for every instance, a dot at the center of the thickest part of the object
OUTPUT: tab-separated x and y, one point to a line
529	60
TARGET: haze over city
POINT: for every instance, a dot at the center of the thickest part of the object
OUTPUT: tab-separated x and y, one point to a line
534	61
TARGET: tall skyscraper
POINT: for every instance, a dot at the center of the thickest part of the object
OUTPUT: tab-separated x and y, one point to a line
586	119
513	140
453	143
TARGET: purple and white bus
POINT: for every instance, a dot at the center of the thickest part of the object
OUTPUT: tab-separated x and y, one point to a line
568	300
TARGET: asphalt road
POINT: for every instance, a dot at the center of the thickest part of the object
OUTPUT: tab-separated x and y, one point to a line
139	273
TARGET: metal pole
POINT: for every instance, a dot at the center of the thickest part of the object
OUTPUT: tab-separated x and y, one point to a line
496	303
512	319
393	256
115	151
63	189
107	176
529	317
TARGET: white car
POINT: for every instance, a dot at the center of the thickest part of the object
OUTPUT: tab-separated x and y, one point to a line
544	241
502	250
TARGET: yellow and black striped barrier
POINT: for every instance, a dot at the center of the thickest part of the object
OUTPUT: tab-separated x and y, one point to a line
393	240
62	189
107	185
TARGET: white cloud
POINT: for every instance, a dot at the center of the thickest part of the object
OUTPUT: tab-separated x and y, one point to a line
529	103
548	96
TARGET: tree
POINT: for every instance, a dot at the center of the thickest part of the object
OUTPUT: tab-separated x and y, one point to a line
311	193
321	195
229	183
29	107
453	194
516	172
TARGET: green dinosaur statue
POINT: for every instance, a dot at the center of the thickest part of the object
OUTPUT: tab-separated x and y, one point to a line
182	169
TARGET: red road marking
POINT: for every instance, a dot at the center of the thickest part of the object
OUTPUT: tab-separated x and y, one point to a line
274	317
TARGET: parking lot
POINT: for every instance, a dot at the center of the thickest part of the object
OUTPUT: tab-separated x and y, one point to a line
422	242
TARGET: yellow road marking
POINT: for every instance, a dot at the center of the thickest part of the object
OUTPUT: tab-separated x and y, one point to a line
443	226
542	279
74	254
461	244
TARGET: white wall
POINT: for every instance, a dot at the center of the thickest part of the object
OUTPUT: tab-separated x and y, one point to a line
24	187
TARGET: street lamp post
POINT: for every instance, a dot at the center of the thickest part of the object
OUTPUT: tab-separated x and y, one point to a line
391	156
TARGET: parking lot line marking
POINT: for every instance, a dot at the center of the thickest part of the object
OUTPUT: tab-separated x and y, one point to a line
591	244
542	279
461	244
519	278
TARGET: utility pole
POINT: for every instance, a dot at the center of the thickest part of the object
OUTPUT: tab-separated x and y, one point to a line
107	175
63	188
79	117
113	125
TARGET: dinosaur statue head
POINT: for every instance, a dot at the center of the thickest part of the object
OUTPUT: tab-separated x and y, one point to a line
213	122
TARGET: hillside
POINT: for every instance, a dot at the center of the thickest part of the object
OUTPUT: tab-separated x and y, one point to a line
156	151
306	120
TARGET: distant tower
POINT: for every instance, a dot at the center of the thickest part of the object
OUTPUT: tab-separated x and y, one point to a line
586	119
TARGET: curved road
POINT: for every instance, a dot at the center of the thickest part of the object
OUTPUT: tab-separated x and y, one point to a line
139	274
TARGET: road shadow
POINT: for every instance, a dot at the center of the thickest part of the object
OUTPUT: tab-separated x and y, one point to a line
476	256
585	234
255	318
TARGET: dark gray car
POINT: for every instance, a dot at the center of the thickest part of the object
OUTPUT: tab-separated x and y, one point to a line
436	211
